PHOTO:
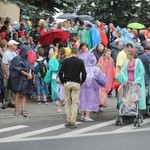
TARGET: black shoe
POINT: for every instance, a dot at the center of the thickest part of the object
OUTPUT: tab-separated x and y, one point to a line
50	100
11	105
72	126
31	97
67	124
4	106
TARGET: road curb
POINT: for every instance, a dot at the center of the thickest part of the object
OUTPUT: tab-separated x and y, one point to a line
25	120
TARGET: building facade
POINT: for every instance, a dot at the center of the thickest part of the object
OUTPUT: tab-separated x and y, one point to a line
10	10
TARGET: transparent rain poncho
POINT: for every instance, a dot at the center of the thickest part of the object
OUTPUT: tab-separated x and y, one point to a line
129	94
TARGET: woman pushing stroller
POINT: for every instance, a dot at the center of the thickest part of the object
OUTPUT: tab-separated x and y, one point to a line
133	71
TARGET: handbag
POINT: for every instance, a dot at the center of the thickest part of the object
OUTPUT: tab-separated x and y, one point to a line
116	84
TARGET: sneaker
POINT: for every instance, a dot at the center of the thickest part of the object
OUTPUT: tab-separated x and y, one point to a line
46	103
88	119
57	103
82	118
39	103
59	110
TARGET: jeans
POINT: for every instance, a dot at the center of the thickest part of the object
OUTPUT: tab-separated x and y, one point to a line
41	86
9	95
60	91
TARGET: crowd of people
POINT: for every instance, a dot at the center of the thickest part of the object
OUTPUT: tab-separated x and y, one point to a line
94	57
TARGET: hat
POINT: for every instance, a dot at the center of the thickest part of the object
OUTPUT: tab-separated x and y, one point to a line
24	47
24	50
11	42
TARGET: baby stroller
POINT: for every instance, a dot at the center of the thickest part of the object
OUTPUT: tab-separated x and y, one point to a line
129	95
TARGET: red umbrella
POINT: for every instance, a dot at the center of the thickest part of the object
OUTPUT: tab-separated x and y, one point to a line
48	37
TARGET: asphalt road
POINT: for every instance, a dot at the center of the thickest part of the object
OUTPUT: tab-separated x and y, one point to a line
102	134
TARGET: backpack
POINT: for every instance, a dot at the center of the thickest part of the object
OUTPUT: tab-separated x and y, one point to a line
32	56
42	68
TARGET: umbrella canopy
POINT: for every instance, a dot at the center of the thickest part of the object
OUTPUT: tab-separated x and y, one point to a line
85	17
68	16
87	22
49	36
136	25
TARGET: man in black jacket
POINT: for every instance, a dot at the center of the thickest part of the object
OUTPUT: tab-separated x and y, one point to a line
70	76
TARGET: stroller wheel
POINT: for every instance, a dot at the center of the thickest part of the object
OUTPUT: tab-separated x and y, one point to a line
121	121
138	123
117	121
135	121
141	118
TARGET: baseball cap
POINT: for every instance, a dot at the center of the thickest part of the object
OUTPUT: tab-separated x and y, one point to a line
11	42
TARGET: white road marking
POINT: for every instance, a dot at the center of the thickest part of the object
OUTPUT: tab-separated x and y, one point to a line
12	128
90	128
131	127
32	133
71	136
77	133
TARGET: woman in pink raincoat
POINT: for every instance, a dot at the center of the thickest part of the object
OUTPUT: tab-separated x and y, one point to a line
107	65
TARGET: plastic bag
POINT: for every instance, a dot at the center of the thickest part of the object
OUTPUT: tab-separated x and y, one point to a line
116	84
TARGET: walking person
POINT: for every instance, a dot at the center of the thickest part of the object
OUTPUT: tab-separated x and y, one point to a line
107	65
95	78
69	75
84	54
134	71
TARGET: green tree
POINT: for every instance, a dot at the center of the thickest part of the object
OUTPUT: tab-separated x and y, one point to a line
143	12
121	12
